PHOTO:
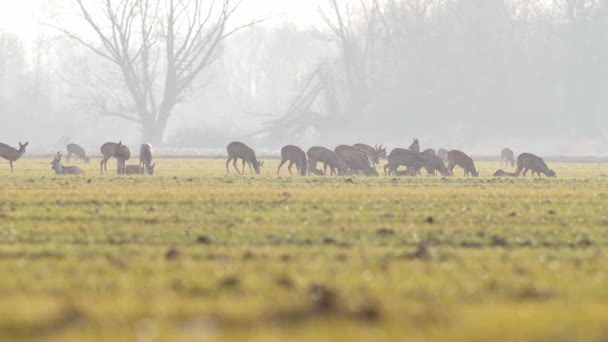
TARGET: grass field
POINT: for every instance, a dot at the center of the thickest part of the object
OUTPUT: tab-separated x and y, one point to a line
191	254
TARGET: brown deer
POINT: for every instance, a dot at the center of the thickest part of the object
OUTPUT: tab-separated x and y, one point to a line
456	157
108	150
78	151
12	154
403	157
528	161
64	170
355	160
429	152
443	154
507	157
503	173
329	159
237	150
139	170
294	155
145	159
434	164
373	153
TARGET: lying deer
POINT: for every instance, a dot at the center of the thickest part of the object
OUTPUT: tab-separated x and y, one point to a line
12	154
139	169
64	170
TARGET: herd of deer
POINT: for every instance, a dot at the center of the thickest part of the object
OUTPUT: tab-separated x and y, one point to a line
362	158
343	160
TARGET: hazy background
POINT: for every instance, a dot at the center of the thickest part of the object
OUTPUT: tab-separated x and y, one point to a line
476	75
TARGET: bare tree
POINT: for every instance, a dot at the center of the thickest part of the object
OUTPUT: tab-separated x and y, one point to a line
160	48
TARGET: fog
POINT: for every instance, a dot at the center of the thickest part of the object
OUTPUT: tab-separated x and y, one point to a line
476	75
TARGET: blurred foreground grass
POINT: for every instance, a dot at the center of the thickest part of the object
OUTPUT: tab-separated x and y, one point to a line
192	254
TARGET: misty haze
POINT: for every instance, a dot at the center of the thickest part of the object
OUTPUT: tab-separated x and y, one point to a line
474	74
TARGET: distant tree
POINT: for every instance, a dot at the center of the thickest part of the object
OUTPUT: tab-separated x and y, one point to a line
159	47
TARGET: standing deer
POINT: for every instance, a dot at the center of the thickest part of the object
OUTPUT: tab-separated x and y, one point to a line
123	153
108	150
528	161
78	151
145	159
12	154
373	153
429	152
433	163
355	160
443	154
456	157
503	173
328	158
237	150
64	170
294	155
507	157
404	157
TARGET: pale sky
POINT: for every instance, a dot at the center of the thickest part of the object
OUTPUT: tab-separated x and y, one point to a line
22	16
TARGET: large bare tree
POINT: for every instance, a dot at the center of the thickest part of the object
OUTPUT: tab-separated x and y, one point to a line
160	48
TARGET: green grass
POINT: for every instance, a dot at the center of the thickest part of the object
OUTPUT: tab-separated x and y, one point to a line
303	258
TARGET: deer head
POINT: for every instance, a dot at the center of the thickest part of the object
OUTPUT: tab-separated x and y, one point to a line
415	146
56	163
257	165
23	146
381	151
551	173
149	169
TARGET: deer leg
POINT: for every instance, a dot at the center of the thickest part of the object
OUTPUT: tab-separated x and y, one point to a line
289	167
451	168
325	169
234	165
10	162
228	165
283	161
525	172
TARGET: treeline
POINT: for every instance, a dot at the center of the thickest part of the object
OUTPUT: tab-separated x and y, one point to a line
475	74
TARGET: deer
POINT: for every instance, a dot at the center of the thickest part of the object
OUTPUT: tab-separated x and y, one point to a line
78	151
108	150
456	157
145	159
355	160
139	169
64	170
528	161
503	173
123	153
329	159
237	150
294	155
432	164
443	154
12	154
404	157
429	152
373	153
507	157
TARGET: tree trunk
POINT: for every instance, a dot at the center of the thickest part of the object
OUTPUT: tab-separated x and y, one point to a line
153	130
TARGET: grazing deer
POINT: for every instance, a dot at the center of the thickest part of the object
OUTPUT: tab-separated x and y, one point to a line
528	161
78	151
64	170
108	150
355	160
145	159
329	159
294	155
507	157
415	146
443	154
12	154
373	153
503	173
456	157
237	150
433	163
403	157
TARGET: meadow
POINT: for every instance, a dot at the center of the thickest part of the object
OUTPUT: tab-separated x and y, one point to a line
193	254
